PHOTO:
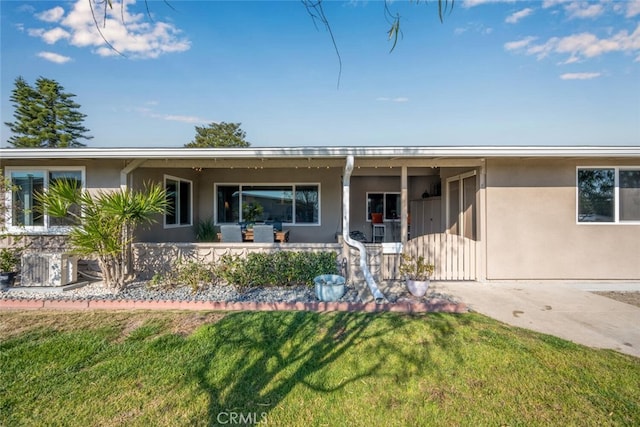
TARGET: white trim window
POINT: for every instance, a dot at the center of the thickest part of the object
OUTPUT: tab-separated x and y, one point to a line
179	202
25	214
608	195
386	203
292	204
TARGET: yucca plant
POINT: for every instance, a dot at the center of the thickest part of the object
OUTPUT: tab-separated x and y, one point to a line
103	228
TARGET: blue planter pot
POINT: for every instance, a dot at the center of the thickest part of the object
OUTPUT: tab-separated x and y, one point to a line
329	287
7	279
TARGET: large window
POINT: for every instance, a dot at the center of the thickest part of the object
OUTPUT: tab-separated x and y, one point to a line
26	213
285	203
179	202
387	204
609	195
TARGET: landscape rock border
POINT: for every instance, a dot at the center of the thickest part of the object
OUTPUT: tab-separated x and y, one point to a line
428	306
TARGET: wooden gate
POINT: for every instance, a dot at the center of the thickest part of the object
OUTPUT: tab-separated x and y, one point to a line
453	256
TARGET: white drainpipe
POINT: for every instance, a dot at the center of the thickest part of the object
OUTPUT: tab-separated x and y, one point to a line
346	180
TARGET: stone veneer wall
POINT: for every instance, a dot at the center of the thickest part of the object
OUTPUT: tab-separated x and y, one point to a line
152	258
37	242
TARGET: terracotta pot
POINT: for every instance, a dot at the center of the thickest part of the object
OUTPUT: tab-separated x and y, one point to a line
376	218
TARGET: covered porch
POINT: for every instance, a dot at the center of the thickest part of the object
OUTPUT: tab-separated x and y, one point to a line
428	206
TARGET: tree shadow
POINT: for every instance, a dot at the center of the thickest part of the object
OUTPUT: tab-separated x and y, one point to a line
254	360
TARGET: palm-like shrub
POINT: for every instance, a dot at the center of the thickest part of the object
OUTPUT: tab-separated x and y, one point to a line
102	228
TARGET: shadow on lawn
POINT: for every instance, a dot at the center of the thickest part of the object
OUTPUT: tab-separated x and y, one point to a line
256	359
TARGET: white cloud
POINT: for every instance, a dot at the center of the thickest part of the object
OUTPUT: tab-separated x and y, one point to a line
35	32
580	76
516	16
580	46
52	36
131	34
183	119
51	15
54	57
473	3
473	27
583	9
148	112
520	44
550	3
26	8
633	8
398	99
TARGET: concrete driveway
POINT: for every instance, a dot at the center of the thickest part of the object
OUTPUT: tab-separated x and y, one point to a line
566	310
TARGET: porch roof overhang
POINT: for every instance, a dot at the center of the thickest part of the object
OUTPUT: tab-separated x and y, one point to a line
252	153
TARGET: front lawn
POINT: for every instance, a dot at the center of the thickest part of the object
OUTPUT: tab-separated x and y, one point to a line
298	369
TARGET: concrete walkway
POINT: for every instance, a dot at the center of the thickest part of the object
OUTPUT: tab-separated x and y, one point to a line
566	310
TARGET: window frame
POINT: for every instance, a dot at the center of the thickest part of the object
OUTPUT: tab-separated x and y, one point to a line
46	228
616	196
293	186
178	223
384	205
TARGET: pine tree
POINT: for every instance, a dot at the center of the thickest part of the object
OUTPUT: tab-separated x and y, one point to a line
219	135
45	116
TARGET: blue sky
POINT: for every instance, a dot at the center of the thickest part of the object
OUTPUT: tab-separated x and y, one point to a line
552	72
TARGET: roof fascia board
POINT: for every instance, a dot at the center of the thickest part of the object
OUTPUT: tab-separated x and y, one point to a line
320	152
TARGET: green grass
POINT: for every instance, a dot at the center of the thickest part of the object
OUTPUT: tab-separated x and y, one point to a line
302	369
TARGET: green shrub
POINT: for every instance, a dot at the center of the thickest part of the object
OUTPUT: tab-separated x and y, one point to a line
193	273
206	231
282	268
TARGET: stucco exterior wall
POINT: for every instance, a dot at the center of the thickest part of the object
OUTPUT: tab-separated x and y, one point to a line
157	232
329	180
204	181
100	175
532	231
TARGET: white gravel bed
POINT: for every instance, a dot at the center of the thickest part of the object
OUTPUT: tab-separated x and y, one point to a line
141	291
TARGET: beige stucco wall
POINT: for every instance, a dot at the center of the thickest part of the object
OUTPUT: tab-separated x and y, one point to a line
100	175
203	198
532	231
157	231
530	212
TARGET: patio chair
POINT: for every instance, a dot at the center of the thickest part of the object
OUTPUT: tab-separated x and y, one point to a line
263	233
231	233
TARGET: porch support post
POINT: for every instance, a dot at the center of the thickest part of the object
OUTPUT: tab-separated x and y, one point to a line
404	203
481	224
124	173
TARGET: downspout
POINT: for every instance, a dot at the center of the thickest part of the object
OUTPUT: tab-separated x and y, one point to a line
346	180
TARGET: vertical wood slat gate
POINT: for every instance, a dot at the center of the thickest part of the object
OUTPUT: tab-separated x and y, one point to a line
453	256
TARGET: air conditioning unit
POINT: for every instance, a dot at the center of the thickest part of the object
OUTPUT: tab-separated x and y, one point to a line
48	269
